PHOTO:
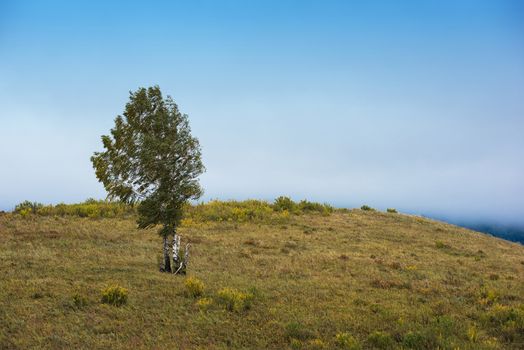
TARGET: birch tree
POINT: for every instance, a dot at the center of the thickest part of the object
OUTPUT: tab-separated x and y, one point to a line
151	159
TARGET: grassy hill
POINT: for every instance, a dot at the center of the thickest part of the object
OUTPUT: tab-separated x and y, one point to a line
332	279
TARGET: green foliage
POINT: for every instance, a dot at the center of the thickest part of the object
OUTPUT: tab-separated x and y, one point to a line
27	207
114	295
151	158
204	303
347	341
234	300
391	210
89	209
284	203
296	330
250	211
381	340
213	211
307	206
194	287
234	211
366	208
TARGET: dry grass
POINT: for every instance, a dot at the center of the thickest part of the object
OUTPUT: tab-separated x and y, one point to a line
375	277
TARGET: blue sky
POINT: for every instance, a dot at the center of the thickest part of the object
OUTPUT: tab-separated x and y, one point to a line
417	105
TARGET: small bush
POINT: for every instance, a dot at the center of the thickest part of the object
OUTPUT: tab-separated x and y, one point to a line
381	340
296	330
194	287
234	300
391	210
347	341
284	203
26	207
114	295
366	208
307	206
204	303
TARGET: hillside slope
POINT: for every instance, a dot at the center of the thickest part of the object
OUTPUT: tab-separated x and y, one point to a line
351	280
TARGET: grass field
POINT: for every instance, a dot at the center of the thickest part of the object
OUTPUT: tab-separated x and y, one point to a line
353	279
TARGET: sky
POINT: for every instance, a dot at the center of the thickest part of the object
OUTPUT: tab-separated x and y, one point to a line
417	105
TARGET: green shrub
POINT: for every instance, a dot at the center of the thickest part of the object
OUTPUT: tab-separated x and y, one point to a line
307	206
296	330
114	295
391	210
194	287
347	341
234	211
90	208
284	203
381	340
27	207
366	208
204	303
234	300
212	211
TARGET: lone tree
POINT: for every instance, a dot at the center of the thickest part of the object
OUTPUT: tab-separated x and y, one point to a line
152	160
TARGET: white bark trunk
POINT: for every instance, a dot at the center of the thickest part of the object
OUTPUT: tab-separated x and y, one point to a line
176	249
182	268
186	256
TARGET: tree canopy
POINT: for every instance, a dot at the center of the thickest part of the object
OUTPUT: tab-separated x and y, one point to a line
151	159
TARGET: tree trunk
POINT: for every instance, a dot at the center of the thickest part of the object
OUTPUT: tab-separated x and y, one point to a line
176	251
167	261
186	258
182	268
